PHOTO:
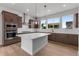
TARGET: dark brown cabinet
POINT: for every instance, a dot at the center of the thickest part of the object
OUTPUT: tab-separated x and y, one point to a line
60	37
64	38
33	23
72	39
15	40
76	15
12	18
19	21
11	22
9	17
6	17
52	36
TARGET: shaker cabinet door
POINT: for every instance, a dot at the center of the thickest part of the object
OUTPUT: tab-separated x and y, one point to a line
19	21
9	17
12	18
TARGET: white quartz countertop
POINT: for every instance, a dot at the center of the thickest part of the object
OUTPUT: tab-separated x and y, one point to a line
67	31
33	35
64	31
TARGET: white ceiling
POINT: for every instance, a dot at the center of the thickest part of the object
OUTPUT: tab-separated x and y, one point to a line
38	9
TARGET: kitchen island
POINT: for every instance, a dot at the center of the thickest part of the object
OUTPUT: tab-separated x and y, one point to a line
33	42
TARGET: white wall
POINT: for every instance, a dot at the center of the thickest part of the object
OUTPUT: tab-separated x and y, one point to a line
1	29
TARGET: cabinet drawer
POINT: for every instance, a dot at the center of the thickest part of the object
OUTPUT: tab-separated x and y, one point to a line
51	36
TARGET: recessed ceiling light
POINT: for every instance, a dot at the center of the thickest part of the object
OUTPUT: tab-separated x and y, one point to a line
64	5
27	10
48	10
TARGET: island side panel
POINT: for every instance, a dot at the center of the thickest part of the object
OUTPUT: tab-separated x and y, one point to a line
26	44
39	43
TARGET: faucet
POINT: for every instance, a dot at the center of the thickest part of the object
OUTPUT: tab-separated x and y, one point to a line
52	30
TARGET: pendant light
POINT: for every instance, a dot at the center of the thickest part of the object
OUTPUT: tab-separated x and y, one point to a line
45	6
36	12
24	18
36	18
45	9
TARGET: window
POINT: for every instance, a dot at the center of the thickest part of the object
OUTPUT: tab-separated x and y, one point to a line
67	21
43	24
53	22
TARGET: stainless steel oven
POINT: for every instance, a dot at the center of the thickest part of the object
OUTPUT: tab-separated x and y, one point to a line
11	26
10	31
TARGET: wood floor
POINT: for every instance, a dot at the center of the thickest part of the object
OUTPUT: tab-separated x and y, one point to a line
52	49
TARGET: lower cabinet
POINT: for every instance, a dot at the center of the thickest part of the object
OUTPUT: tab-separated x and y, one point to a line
64	38
72	39
12	41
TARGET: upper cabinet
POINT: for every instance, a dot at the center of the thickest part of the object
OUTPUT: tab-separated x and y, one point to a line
19	21
9	17
12	18
76	20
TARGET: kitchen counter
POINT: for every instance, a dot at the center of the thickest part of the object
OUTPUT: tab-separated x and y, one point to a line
67	31
64	31
33	42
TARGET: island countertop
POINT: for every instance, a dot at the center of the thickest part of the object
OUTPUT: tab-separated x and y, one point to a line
33	35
